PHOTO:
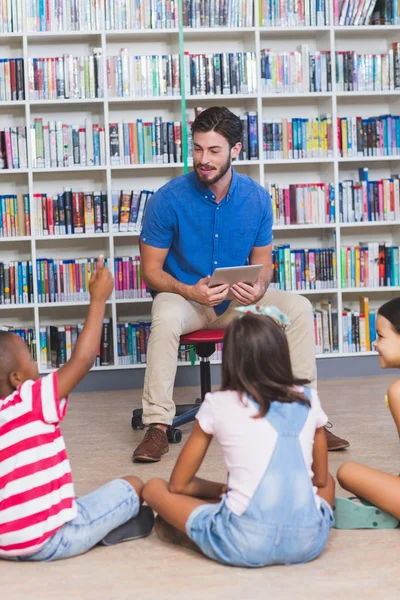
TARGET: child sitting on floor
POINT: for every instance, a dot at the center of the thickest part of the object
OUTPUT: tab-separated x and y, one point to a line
277	508
40	519
372	486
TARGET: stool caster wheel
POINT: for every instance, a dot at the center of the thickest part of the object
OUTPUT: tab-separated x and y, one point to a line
137	422
174	435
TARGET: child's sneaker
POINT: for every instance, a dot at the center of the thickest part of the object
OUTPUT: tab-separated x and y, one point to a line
137	527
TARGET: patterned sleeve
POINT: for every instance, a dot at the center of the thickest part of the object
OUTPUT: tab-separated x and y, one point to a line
205	416
46	404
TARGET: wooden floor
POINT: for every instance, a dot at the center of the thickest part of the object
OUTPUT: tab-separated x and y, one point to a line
356	565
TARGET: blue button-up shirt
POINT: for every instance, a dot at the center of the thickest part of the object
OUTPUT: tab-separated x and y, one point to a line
202	234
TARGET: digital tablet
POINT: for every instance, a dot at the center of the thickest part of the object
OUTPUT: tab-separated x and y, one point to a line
231	275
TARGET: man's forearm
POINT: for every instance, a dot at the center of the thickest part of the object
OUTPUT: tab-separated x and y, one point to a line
160	281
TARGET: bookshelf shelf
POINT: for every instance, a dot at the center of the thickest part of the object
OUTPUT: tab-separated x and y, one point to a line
268	106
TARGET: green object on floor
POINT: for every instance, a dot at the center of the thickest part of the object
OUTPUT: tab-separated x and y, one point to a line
356	513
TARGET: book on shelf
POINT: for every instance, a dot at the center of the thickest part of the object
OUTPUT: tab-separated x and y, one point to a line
71	212
309	13
132	341
326	328
359	327
64	280
67	76
16	282
28	334
56	144
12	85
144	76
144	142
368	72
159	14
128	279
365	200
303	269
15	216
223	73
249	149
53	15
374	136
57	342
302	203
13	149
297	72
366	12
370	264
297	138
128	208
11	16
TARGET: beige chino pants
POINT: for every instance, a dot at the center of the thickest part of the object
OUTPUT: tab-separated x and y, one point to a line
173	316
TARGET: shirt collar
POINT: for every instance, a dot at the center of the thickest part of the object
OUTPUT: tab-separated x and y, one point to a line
203	189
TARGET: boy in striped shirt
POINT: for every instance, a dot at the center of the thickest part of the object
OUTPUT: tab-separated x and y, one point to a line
40	518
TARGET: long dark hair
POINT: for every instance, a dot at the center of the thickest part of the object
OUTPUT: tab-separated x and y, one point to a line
391	311
256	361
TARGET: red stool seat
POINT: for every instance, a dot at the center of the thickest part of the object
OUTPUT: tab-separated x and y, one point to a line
203	335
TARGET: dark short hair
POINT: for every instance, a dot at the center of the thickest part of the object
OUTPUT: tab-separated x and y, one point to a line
256	361
221	120
391	311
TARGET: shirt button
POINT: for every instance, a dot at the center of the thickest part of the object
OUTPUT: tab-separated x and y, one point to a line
144	239
216	235
217	207
215	262
205	196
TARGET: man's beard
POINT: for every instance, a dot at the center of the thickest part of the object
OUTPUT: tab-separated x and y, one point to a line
218	173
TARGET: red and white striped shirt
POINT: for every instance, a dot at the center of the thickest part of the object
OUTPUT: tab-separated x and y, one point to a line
36	490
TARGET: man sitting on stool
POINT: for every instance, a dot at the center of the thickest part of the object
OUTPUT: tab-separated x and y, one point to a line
212	217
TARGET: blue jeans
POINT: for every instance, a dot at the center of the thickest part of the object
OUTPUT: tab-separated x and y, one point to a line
99	512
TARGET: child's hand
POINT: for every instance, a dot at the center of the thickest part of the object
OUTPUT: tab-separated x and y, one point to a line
101	283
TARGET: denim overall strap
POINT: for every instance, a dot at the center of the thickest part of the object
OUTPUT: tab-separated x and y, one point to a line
285	496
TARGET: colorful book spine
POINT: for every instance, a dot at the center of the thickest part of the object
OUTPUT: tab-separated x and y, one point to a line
374	136
303	269
11	12
15	215
64	280
311	13
366	200
366	12
368	72
128	209
297	138
128	280
16	282
13	148
28	334
326	328
359	328
369	265
296	72
12	85
302	203
74	15
225	73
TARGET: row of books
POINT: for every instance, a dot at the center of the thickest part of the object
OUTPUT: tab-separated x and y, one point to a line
13	148
28	334
64	280
310	13
375	136
298	138
56	344
326	330
63	15
302	203
11	16
366	200
366	12
66	76
146	142
303	269
296	72
249	149
71	212
16	282
370	264
368	72
15	217
128	208
145	76
159	14
128	279
57	144
12	79
359	327
222	73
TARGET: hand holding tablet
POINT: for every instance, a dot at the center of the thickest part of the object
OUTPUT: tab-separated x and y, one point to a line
233	275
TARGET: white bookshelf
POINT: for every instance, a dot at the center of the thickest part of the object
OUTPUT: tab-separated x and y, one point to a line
105	110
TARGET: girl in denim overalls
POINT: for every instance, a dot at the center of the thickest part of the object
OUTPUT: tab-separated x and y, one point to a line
277	505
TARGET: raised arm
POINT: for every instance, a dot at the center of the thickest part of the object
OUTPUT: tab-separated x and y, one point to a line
84	354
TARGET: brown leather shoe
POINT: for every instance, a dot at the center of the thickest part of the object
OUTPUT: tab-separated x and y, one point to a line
152	447
334	441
